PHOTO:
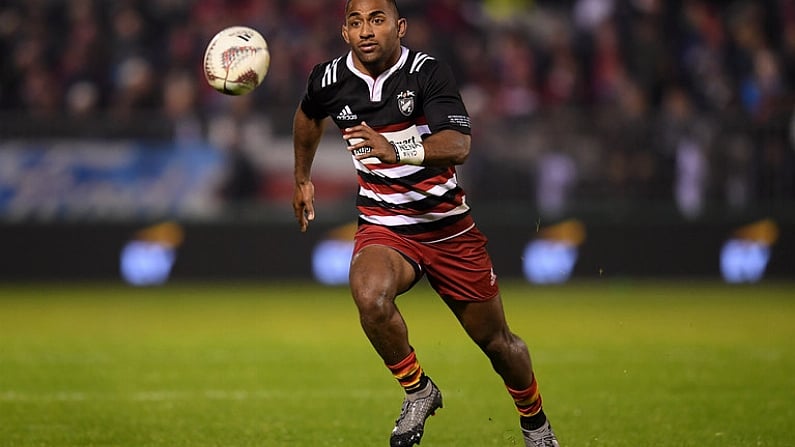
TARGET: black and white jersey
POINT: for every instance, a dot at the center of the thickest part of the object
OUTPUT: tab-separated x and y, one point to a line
415	98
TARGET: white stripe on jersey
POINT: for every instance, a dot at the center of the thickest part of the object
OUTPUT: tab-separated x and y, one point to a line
411	196
330	75
415	219
419	59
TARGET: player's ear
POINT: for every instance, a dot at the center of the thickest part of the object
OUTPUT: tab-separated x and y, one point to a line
345	34
402	25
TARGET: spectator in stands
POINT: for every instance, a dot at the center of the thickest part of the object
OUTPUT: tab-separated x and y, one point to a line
732	61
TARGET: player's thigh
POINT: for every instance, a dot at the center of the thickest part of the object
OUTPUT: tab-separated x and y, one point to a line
380	272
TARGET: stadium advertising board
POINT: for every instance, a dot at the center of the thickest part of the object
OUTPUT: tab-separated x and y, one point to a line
65	180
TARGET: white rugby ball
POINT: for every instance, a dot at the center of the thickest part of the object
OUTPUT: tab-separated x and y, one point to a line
236	60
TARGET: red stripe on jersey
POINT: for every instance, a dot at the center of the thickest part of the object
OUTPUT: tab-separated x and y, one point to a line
399	185
419	121
430	232
385	212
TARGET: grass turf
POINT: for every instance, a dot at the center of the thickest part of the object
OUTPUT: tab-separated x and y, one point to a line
619	363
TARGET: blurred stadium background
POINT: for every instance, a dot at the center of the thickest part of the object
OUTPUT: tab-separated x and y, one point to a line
613	138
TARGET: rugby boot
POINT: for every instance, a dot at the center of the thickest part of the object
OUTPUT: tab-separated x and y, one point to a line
540	437
416	408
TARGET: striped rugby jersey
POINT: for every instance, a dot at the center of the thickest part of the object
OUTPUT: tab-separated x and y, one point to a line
415	98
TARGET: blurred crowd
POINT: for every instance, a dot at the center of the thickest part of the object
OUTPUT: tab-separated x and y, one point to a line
573	101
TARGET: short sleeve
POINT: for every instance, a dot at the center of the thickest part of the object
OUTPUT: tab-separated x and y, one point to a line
443	106
309	103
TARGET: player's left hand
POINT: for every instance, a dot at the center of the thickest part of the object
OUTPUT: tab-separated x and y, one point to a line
365	142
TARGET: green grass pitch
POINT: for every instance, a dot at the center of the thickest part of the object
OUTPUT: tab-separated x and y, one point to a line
620	363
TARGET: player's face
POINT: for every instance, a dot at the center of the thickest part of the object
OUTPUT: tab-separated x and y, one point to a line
373	30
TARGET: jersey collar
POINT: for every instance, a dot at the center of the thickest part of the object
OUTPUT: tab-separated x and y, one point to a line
404	55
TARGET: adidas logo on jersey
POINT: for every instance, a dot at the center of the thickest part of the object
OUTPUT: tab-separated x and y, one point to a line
347	114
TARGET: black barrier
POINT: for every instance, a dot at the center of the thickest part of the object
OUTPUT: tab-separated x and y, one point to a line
33	252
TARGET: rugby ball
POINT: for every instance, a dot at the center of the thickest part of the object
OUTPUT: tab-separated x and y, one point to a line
236	60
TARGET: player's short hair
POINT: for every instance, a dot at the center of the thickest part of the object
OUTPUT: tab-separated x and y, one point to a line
393	3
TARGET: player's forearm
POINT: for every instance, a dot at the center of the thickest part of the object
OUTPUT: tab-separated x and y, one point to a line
306	138
445	148
304	156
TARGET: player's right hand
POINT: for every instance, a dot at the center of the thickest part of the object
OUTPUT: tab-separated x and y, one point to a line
365	142
304	204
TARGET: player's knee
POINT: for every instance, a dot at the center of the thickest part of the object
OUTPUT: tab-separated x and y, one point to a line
374	306
502	343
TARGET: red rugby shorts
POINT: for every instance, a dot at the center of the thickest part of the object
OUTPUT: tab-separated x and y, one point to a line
458	268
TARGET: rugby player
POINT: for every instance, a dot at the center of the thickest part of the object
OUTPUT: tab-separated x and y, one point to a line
406	128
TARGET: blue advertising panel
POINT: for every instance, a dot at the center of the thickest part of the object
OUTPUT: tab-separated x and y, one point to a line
54	181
